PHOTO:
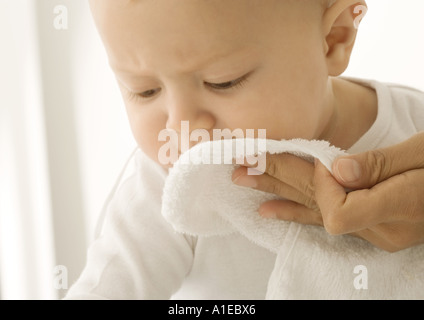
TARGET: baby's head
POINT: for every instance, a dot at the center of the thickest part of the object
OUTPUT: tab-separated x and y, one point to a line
227	64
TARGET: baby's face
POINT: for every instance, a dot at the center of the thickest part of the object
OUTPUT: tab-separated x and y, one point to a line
219	64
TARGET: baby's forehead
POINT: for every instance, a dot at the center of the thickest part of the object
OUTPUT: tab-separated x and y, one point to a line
156	18
235	13
144	32
195	15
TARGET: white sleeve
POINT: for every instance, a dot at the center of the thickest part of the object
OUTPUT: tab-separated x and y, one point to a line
138	255
409	107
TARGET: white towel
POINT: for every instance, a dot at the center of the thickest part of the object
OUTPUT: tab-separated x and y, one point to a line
201	200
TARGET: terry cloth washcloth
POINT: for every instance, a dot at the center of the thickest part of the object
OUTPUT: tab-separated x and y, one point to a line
200	199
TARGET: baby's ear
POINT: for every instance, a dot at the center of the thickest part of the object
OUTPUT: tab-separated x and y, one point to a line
340	23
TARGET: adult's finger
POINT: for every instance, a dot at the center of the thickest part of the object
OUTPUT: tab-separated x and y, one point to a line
290	211
372	167
395	199
267	183
291	170
388	237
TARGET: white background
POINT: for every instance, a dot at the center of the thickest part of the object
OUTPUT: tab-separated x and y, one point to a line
64	135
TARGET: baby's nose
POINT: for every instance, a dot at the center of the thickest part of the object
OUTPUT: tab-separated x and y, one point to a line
190	122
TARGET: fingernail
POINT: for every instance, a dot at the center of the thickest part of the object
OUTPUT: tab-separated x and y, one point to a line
268	214
348	170
246	181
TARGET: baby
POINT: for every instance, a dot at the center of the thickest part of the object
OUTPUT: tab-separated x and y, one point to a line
225	64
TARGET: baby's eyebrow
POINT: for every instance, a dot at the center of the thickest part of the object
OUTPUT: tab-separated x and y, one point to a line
221	57
233	57
132	75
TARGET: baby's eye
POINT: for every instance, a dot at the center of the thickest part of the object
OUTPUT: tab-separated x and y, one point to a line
149	93
228	85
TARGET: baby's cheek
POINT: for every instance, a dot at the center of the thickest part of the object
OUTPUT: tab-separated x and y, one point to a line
146	134
148	141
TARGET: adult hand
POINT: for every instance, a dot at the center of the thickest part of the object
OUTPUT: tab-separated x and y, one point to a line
385	206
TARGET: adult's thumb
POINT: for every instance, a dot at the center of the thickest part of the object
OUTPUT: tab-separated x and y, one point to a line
363	171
